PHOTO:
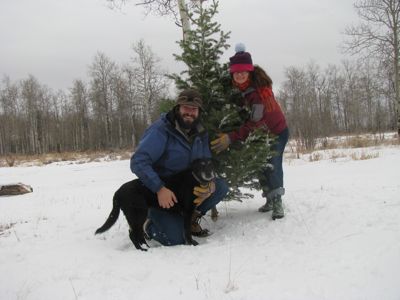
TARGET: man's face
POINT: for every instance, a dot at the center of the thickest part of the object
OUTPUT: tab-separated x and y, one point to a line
188	115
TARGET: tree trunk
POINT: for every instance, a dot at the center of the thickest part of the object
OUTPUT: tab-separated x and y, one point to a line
183	12
397	83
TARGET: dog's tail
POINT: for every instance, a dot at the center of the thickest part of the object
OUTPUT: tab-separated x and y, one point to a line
113	217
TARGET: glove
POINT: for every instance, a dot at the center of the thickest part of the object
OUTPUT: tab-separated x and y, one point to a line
203	192
221	143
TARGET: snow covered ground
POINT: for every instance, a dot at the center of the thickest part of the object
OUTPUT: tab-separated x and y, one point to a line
340	238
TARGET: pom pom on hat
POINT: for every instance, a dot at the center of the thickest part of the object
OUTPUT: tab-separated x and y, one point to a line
241	61
240	47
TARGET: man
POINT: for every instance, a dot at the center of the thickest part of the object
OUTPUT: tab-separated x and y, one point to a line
168	147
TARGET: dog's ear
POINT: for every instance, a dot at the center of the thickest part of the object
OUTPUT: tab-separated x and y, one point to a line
195	163
215	161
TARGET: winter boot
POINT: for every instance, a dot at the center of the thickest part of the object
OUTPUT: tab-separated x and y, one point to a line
277	208
268	206
195	227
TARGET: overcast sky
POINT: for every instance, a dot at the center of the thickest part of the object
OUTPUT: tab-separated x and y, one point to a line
56	40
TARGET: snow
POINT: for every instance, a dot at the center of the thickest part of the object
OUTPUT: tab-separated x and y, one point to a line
340	238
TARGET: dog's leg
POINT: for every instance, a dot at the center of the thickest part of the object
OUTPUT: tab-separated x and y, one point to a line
135	210
137	239
187	222
136	218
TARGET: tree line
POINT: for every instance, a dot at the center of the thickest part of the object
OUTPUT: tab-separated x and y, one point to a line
375	38
353	97
119	102
109	112
113	109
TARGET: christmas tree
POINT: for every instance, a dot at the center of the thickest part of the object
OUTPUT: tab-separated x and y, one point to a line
201	50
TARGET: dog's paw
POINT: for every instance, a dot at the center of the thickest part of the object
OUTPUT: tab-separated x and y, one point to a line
142	245
192	242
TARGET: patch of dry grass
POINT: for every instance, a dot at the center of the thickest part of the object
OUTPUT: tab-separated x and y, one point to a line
294	150
364	155
5	227
339	147
315	156
335	155
74	157
362	141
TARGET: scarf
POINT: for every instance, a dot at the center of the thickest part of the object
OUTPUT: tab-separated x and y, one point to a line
242	86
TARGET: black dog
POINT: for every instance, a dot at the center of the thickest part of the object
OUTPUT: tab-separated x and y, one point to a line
133	198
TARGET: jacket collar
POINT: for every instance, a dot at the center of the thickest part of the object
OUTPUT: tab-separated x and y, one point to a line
247	91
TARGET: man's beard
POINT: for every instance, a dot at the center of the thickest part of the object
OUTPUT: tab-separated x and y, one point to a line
186	124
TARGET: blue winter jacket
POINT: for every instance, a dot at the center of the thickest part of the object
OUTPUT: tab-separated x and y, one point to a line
164	151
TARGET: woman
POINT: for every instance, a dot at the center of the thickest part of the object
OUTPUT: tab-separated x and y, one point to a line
256	88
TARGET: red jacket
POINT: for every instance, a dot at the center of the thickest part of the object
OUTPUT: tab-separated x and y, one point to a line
265	113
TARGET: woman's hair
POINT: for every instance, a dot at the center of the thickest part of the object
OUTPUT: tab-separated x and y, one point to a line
260	78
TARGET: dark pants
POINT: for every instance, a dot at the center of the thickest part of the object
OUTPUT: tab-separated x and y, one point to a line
167	228
271	179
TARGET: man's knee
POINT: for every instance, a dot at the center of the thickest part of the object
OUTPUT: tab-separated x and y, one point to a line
221	187
167	227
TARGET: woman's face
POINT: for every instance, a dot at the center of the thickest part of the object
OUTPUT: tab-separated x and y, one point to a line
241	77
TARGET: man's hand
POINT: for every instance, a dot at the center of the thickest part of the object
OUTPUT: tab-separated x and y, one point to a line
203	192
166	198
221	143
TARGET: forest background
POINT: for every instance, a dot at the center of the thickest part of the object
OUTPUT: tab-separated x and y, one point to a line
110	110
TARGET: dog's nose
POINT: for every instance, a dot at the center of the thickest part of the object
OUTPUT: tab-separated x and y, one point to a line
209	175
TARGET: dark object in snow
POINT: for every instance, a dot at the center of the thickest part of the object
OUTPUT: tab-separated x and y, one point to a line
15	189
133	198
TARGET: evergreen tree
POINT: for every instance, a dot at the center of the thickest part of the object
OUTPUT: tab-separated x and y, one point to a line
201	51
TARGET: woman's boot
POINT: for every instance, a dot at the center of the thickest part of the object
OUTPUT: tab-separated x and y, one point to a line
277	208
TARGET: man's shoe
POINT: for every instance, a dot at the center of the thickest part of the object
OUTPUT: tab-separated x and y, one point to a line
268	206
195	226
277	209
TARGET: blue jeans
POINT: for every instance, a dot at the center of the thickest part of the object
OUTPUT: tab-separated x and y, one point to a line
167	228
272	179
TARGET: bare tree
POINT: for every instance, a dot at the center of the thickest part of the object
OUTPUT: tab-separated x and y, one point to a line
300	107
80	102
32	96
151	83
379	36
133	108
8	117
62	127
102	72
124	128
337	83
178	9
